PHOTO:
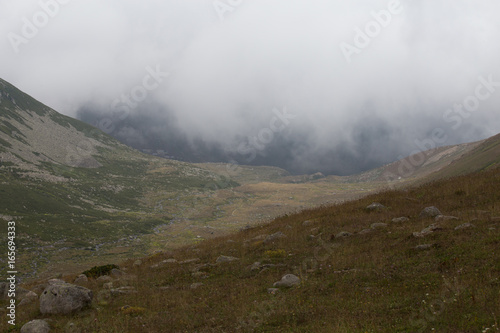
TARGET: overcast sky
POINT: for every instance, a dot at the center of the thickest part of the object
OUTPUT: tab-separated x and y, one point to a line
347	100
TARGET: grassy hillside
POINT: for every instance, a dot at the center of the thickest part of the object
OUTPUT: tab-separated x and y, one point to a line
76	192
385	280
483	157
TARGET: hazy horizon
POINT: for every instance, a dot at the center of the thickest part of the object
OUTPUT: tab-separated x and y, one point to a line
308	86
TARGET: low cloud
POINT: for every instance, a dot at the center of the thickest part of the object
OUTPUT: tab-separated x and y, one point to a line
231	66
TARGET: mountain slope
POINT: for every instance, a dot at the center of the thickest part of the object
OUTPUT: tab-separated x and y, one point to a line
80	197
483	156
437	163
70	184
378	278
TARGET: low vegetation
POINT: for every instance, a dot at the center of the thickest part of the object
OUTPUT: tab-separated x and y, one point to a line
97	271
381	280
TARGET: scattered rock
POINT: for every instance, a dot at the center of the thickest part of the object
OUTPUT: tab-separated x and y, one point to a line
52	282
378	225
444	218
465	226
427	231
401	219
35	326
25	296
423	247
255	266
259	238
202	268
306	223
375	206
314	231
81	279
64	298
28	300
223	259
189	261
365	231
138	263
275	236
123	291
104	279
196	285
429	212
343	234
108	285
199	275
273	291
22	293
170	261
289	280
116	272
72	328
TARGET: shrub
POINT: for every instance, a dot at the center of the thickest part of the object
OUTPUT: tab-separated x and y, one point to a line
97	271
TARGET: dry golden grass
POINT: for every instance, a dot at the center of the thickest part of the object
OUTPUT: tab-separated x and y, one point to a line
374	282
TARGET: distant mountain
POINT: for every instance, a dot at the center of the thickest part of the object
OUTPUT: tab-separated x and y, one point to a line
438	163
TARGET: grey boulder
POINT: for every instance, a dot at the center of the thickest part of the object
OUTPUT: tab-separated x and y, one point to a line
64	298
36	326
401	219
287	281
429	212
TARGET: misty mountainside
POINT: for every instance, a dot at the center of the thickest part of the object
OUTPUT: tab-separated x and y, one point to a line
80	196
69	183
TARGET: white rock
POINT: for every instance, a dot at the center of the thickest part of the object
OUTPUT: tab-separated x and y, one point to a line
288	281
